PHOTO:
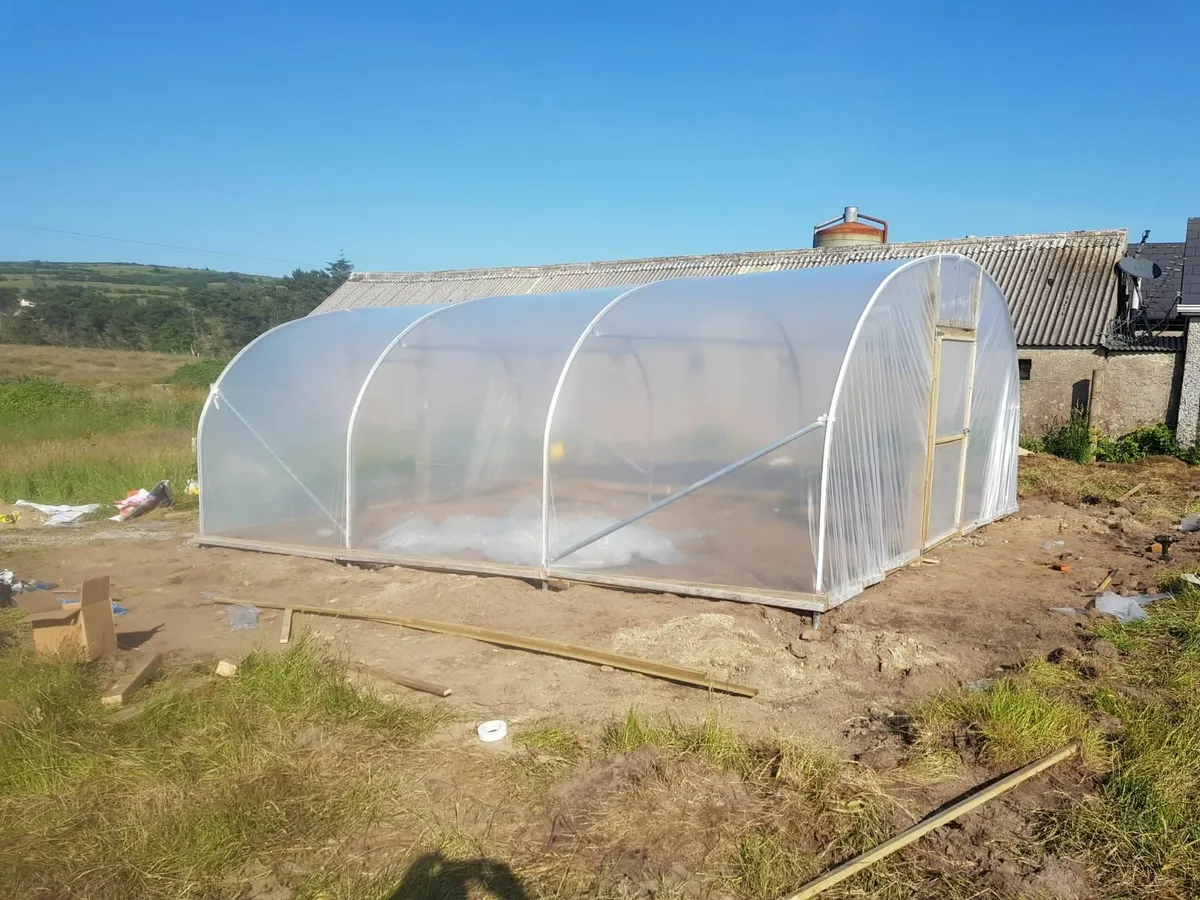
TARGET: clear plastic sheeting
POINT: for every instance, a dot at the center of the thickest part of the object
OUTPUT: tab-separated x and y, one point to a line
272	441
786	437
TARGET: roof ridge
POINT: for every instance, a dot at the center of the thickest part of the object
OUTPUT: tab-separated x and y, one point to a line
1098	238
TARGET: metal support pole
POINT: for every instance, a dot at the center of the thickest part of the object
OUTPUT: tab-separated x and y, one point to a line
680	494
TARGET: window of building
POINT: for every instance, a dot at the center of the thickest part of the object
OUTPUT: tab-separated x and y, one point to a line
1023	367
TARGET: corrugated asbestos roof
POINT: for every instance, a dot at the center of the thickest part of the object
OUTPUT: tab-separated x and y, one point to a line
1061	288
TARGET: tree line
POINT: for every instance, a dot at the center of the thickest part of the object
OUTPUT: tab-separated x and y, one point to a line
212	320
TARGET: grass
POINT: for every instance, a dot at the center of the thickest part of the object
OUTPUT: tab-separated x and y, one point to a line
87	366
69	442
1167	484
708	739
174	802
1139	830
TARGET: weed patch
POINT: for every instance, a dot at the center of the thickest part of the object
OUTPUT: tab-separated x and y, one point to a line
199	374
172	802
1142	830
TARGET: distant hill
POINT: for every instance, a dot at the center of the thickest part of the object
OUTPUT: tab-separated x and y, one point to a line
126	306
117	278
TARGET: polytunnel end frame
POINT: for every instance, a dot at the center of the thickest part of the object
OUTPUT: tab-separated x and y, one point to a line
214	393
981	274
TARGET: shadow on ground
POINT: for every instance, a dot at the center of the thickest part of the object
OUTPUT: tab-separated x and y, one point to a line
434	877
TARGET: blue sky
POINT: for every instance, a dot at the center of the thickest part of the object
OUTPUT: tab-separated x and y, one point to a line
443	135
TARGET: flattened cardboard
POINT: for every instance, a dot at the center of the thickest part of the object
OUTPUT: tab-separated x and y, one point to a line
98	633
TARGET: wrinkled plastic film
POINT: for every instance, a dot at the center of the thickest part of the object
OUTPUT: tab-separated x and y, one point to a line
991	483
879	435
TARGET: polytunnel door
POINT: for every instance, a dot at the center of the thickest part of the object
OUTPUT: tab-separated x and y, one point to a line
949	432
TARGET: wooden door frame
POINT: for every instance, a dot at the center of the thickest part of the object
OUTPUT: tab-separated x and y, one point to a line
959	335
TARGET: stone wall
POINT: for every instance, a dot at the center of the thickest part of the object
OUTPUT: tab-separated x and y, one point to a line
1135	389
1189	295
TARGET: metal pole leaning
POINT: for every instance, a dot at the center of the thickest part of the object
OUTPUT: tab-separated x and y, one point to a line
692	488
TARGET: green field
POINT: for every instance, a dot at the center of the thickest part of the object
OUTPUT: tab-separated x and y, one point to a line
119	278
87	426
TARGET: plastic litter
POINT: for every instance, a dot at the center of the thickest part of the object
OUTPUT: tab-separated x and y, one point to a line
242	618
1126	609
492	731
1190	578
192	489
10	518
1050	545
117	608
139	502
1190	523
60	515
517	538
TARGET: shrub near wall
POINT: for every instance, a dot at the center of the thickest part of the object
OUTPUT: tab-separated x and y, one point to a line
1073	440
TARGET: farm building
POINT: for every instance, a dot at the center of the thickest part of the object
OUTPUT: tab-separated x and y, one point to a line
785	437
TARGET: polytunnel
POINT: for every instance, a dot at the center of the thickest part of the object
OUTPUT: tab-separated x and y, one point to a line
784	438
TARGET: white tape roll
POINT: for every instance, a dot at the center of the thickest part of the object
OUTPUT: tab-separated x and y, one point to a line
492	731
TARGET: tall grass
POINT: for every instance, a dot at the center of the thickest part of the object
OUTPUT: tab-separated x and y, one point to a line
65	443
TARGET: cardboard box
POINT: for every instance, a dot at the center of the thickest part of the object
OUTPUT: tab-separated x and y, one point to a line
86	627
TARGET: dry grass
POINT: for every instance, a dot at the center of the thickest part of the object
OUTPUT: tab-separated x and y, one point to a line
85	366
1171	486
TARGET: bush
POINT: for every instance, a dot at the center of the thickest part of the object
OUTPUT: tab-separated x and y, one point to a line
1156	440
1072	440
1075	441
199	374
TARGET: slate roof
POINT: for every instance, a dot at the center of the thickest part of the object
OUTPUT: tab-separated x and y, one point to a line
1062	288
1160	294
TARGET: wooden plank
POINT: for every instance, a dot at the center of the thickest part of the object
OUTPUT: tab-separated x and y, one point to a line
783	599
949	814
932	436
520	642
408	681
98	633
144	669
1129	493
285	630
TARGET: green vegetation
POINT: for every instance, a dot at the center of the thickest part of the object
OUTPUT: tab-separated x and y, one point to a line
175	801
1075	441
199	374
1013	722
1140	830
66	443
193	311
708	739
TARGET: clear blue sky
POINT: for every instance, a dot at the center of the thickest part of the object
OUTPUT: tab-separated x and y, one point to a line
439	135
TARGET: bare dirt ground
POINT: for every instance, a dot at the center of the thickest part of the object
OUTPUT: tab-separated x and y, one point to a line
982	606
645	824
